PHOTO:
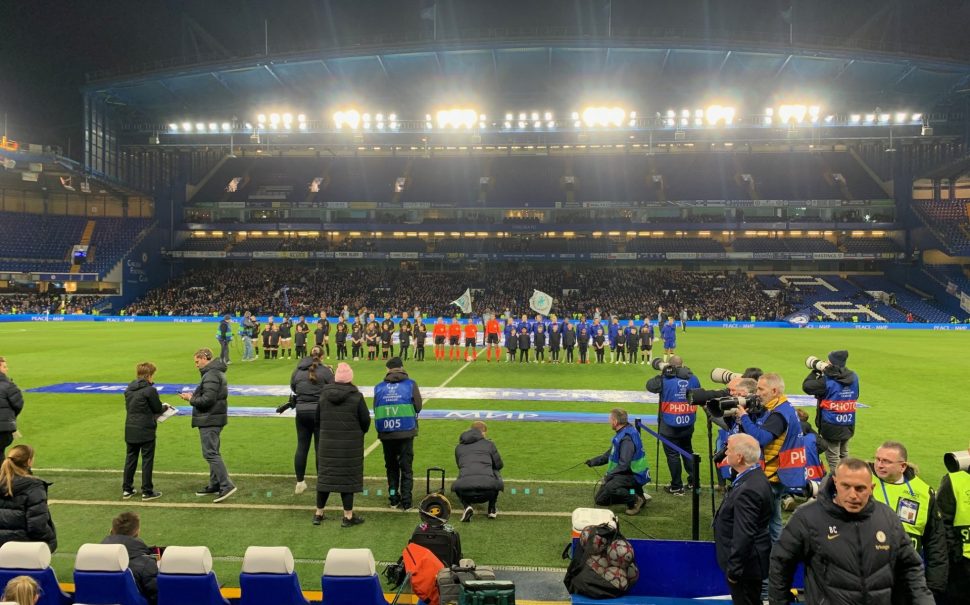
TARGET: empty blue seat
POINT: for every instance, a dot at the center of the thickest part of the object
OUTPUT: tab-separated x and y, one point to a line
31	559
268	577
185	576
102	577
350	578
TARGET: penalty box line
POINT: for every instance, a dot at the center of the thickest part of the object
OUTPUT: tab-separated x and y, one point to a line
109	471
377	442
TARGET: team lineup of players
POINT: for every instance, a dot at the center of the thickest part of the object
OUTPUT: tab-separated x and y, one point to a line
578	340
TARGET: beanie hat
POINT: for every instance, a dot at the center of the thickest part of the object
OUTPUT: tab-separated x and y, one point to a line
344	373
394	362
838	358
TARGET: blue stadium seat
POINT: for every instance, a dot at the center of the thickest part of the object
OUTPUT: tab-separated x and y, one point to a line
185	576
31	559
268	577
102	577
350	578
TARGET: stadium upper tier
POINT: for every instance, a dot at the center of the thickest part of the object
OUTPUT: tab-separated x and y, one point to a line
541	180
34	242
949	220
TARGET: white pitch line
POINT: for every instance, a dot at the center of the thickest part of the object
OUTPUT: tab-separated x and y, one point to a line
377	442
107	471
274	507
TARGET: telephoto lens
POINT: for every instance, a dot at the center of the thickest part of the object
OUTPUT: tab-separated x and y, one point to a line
659	364
814	363
722	376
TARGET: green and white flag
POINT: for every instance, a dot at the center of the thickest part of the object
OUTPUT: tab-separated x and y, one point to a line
464	302
540	302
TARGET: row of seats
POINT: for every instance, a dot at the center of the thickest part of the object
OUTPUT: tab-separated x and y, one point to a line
534	179
185	576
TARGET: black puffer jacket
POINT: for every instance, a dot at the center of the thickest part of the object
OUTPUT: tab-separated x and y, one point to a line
141	562
862	558
344	419
814	384
307	392
24	516
141	406
478	462
11	403
210	405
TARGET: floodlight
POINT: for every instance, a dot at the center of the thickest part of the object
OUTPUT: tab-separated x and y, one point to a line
870	118
173	127
813	112
577	123
575	115
536	124
547	115
508	117
303	126
550	124
349	118
274	118
287	118
200	127
187	126
507	124
855	118
428	125
717	113
535	115
522	116
213	127
884	117
226	126
917	117
249	126
792	113
261	118
301	118
522	123
901	117
829	118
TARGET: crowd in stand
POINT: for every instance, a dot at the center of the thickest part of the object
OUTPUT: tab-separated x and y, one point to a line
306	291
47	303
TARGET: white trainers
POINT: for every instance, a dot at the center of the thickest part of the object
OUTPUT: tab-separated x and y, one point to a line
300	487
467	515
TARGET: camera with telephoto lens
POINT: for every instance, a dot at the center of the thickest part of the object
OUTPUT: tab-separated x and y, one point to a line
957	461
814	363
719	456
659	364
721	404
722	376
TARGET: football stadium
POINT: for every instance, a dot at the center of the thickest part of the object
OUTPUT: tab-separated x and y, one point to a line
621	301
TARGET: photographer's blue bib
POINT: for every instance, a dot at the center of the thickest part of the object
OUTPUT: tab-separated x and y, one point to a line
839	404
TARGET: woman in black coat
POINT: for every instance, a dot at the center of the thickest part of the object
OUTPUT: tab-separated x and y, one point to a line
24	516
344	418
306	384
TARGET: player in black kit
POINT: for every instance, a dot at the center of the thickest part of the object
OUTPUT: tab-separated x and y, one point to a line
388	345
322	334
286	338
302	329
420	336
341	338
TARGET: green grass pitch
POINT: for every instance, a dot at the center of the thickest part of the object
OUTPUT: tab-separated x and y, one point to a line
915	382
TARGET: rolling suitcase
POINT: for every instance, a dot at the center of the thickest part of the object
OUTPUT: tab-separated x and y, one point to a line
433	532
450	580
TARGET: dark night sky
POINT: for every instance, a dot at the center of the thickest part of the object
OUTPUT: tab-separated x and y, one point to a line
47	46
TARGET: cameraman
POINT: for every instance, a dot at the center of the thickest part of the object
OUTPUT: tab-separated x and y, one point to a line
837	388
737	387
676	419
780	437
627	470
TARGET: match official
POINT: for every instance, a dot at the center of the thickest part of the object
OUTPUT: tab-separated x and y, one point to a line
210	413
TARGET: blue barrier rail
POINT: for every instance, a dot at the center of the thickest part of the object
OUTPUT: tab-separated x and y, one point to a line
700	324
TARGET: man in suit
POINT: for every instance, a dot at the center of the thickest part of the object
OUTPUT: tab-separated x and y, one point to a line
741	523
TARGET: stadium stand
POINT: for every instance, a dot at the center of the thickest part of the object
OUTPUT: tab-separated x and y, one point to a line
801	244
869	245
948	219
905	299
686	244
944	274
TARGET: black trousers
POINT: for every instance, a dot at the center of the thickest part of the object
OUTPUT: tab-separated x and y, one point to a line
477	496
6	438
419	352
523	355
746	591
147	450
347	499
569	354
398	460
674	460
599	355
404	351
618	489
307	432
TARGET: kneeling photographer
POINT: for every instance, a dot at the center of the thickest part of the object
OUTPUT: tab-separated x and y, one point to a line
676	419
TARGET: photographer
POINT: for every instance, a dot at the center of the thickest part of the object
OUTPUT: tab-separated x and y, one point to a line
306	384
780	437
627	470
676	419
956	519
898	487
837	389
727	426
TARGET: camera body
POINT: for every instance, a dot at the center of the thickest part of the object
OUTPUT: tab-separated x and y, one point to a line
816	363
721	404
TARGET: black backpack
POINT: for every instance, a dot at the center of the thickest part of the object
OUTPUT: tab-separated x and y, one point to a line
603	565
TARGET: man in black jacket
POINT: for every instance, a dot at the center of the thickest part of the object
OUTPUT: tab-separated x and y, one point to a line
741	524
853	547
126	530
955	512
397	403
11	404
142	407
479	465
210	411
836	388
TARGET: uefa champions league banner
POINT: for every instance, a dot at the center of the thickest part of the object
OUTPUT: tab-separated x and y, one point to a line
835	325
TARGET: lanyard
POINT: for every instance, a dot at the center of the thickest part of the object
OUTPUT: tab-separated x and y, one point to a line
743	473
886	495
